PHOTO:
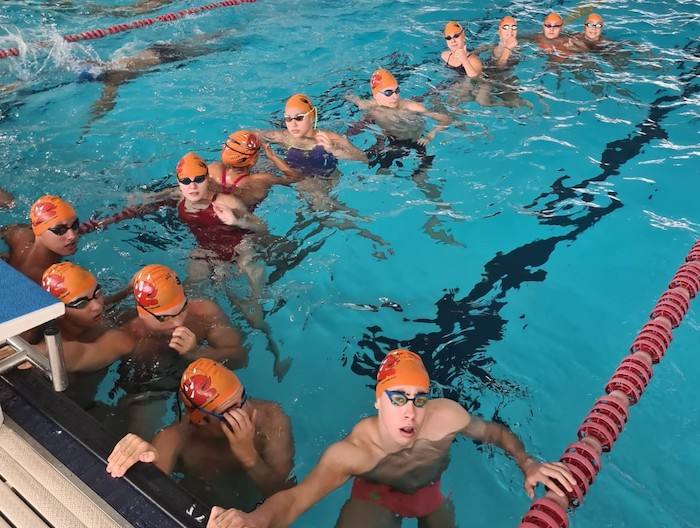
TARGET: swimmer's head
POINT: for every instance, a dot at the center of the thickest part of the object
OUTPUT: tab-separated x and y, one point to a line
402	377
241	149
192	177
300	115
77	288
385	88
160	299
454	35
86	76
552	25
208	389
55	224
593	26
507	27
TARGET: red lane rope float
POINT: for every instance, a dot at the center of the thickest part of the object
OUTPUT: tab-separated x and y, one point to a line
607	418
118	28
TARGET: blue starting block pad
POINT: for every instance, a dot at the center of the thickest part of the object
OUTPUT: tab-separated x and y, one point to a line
23	304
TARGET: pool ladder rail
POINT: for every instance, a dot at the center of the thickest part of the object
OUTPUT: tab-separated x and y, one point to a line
53	366
607	418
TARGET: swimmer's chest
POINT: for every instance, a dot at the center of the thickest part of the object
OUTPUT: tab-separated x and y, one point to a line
415	467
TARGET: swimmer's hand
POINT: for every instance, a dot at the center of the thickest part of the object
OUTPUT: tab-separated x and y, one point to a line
229	215
239	429
221	518
426	139
127	452
323	139
183	340
268	149
549	474
509	42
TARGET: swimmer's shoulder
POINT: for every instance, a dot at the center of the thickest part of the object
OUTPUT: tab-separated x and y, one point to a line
121	339
17	234
359	452
271	417
216	169
203	306
206	313
445	417
132	324
445	55
411	105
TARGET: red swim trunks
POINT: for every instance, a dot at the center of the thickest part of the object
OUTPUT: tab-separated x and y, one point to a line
419	504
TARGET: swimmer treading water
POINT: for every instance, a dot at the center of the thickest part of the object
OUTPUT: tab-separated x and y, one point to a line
177	350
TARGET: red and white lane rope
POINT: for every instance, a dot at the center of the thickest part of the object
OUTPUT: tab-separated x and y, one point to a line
608	416
144	22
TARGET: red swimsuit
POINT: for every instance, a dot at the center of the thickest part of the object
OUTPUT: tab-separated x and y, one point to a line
419	504
211	233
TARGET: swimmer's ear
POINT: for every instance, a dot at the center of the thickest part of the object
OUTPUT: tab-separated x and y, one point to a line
376	404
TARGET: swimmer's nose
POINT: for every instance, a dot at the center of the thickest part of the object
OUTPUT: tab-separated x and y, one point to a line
409	410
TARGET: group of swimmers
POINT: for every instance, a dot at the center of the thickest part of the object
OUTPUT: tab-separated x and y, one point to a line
243	446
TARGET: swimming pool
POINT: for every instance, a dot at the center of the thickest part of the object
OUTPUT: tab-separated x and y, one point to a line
568	221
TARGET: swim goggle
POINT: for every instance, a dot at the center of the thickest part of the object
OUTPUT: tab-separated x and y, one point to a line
400	398
509	26
389	92
298	117
62	229
220	416
593	24
550	26
82	302
163	318
197	179
456	35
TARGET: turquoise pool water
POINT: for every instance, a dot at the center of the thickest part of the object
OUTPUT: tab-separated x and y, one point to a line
568	219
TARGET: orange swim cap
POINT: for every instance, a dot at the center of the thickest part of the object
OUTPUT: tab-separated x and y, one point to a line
191	166
158	289
553	18
67	282
241	149
206	384
452	28
401	367
299	103
507	20
49	211
594	18
382	79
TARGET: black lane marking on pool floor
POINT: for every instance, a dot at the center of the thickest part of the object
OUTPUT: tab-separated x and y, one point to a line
466	326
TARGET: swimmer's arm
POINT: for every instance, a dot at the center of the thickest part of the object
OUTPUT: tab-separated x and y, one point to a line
443	120
6	199
472	65
289	174
273	136
241	217
89	357
336	466
343	149
500	436
224	341
168	444
122	294
501	53
362	104
270	470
